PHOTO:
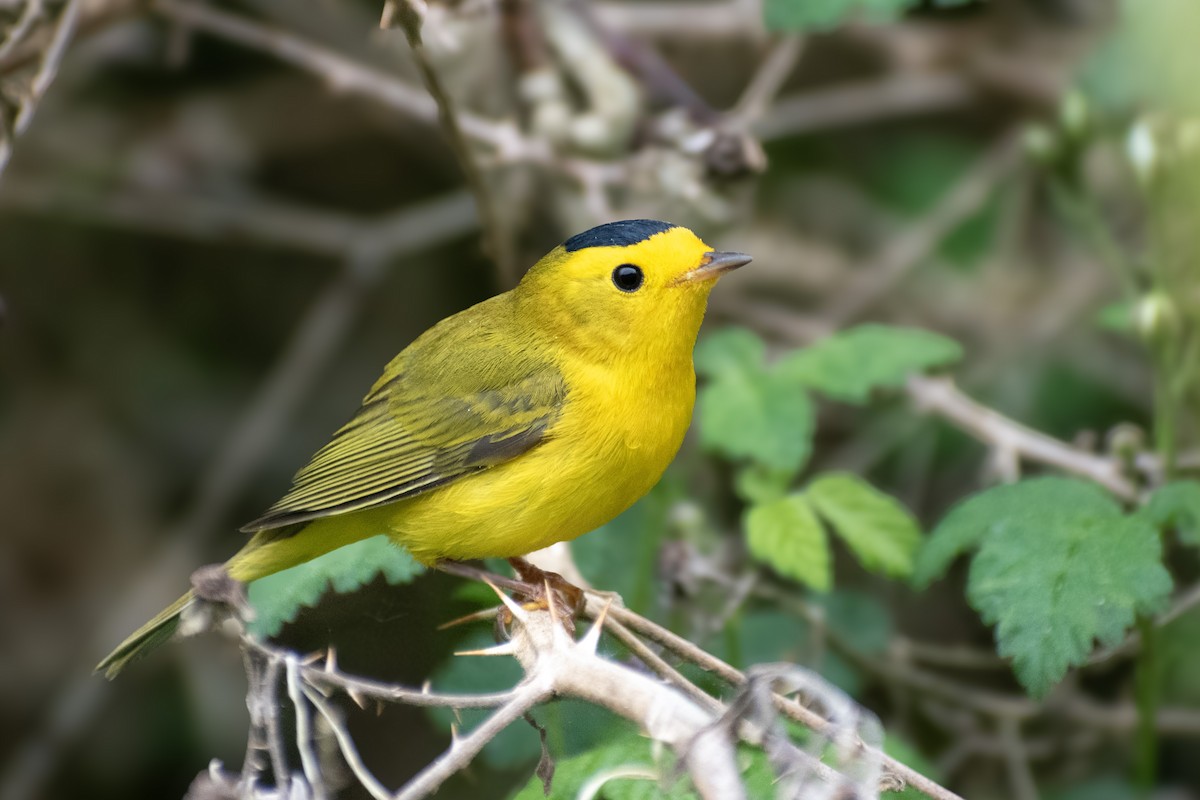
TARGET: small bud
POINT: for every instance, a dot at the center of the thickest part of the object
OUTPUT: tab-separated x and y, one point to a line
1154	316
1125	441
1142	150
1073	114
1041	143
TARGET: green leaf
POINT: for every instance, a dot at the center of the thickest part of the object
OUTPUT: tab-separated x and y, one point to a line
1037	501
861	619
876	527
729	350
760	416
277	598
755	483
1110	787
1177	506
624	766
808	15
771	635
1116	317
1055	585
787	536
851	364
1179	653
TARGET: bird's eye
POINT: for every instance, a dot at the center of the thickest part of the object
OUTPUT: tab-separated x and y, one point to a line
628	278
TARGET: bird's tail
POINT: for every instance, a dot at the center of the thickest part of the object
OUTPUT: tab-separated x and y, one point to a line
146	638
267	552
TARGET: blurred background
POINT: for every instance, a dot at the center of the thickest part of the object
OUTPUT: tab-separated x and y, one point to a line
218	221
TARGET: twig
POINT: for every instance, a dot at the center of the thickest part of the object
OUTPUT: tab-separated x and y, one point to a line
759	95
534	692
863	102
702	19
346	745
270	711
660	667
342	74
1016	759
47	69
304	741
30	13
64	29
411	18
914	244
793	709
940	396
335	679
1182	604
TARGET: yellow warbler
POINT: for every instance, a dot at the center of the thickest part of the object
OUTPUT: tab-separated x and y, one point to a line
528	419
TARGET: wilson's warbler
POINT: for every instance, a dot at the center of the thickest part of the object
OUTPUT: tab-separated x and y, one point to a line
529	419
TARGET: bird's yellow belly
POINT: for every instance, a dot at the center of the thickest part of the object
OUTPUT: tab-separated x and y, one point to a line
607	449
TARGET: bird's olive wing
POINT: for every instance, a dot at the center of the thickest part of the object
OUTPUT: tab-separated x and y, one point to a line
423	425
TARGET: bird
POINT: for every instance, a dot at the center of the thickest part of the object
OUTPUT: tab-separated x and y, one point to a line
531	418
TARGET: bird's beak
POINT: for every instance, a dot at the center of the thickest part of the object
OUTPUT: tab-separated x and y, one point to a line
713	265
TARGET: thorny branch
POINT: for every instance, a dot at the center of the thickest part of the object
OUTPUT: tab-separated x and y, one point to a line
47	68
702	733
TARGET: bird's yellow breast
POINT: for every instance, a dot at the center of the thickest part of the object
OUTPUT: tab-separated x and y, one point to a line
611	444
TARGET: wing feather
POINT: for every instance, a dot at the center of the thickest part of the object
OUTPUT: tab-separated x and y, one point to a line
495	403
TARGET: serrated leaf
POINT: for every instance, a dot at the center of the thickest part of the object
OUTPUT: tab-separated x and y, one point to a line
624	766
1052	589
755	483
277	598
787	536
760	416
1030	502
877	528
849	365
1175	505
729	350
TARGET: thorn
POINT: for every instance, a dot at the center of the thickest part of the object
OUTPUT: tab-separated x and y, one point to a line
358	698
379	708
312	658
487	613
330	660
503	649
453	735
591	640
426	686
518	613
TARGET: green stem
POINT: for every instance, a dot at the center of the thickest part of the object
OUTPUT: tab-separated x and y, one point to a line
1146	691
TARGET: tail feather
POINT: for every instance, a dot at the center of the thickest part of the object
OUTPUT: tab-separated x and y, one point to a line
267	552
146	638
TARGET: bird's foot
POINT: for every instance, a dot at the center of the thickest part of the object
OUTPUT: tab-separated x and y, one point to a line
537	589
541	589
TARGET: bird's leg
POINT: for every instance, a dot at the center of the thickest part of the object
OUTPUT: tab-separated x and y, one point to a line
541	588
537	587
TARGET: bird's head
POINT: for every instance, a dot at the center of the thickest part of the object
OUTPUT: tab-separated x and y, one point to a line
636	283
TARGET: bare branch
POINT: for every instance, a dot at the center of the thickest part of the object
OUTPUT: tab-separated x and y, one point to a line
917	242
304	739
495	238
342	74
862	102
759	95
940	396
